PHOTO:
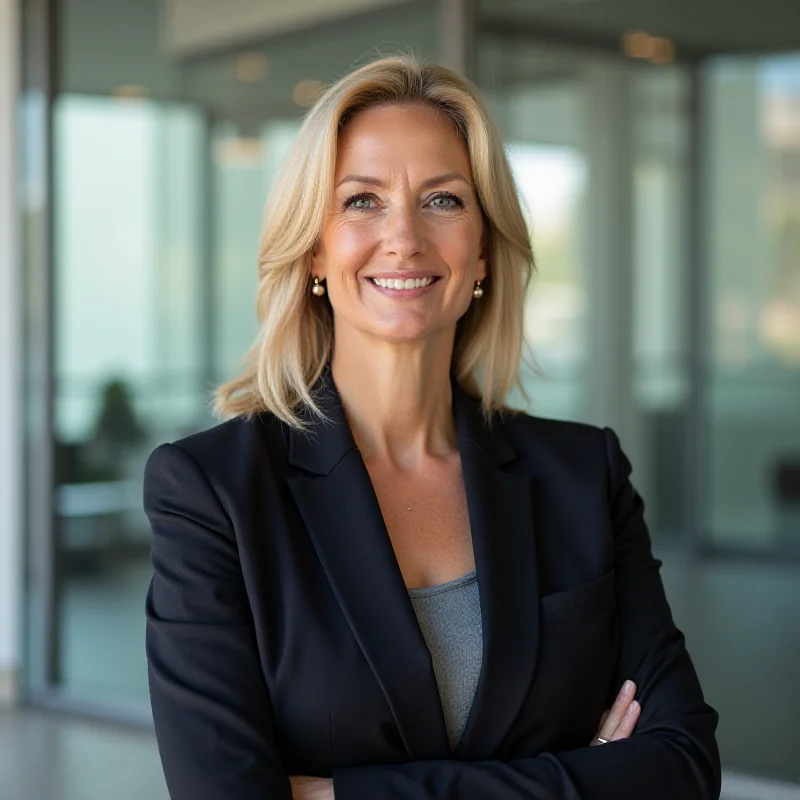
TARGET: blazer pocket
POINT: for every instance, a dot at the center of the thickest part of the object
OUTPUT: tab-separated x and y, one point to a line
580	598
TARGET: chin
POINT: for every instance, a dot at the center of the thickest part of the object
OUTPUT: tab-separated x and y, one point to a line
403	336
400	333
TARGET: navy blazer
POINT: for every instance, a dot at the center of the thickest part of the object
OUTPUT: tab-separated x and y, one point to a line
281	639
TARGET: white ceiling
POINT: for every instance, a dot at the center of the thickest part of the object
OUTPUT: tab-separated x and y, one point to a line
192	26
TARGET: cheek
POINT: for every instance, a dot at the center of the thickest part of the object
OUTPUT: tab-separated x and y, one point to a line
348	245
459	238
461	251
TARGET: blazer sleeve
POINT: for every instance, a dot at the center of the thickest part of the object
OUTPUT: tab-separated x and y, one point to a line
212	712
673	752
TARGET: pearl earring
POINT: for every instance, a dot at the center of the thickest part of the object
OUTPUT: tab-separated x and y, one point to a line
477	292
318	290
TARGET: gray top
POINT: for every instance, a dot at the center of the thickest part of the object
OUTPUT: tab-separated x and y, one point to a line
449	616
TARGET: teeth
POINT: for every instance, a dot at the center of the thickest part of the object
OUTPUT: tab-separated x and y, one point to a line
398	283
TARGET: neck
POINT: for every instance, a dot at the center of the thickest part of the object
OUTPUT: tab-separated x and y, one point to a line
397	397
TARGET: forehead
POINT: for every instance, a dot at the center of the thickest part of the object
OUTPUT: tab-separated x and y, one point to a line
401	135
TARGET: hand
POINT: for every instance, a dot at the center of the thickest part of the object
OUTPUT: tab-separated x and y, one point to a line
306	788
619	721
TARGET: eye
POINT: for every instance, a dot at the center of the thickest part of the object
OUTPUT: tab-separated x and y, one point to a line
364	201
446	200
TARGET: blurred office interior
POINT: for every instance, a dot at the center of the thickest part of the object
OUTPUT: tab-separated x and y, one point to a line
657	148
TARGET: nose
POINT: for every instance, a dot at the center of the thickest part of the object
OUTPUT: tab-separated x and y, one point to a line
404	236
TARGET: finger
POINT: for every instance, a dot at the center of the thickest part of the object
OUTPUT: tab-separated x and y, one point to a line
617	712
595	741
628	723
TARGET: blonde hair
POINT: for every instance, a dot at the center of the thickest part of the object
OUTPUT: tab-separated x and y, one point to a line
295	339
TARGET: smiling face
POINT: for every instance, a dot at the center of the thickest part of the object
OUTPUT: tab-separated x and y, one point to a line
401	246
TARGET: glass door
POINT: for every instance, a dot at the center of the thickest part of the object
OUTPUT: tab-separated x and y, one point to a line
598	146
129	366
752	358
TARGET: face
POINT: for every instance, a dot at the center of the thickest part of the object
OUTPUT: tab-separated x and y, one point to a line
401	247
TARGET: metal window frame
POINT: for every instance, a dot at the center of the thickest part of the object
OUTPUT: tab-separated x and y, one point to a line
39	77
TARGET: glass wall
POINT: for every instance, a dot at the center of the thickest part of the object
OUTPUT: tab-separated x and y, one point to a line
753	355
541	111
744	620
598	146
660	385
129	361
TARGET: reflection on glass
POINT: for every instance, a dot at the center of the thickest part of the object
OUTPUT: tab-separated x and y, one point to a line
754	353
660	341
537	94
128	364
588	235
244	168
552	183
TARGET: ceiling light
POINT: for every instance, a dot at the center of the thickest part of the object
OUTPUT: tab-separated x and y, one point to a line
638	44
663	50
252	67
238	151
306	92
129	92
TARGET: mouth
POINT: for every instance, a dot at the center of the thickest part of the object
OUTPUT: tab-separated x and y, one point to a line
404	284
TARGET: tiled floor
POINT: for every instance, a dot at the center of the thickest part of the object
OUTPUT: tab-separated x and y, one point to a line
742	627
741	622
52	757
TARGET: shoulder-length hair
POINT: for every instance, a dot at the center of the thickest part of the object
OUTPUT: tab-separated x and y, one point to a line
295	339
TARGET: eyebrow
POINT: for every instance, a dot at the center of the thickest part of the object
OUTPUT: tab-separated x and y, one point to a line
370	181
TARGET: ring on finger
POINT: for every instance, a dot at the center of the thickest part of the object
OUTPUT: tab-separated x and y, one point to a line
601	740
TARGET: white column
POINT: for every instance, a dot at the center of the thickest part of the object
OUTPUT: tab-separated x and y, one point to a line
609	258
10	374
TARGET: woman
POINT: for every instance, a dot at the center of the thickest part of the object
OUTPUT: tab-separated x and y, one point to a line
373	581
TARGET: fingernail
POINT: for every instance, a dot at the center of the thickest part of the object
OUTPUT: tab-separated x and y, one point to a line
632	709
626	687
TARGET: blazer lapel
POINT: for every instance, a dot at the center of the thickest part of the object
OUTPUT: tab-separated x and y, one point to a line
336	499
501	518
334	494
